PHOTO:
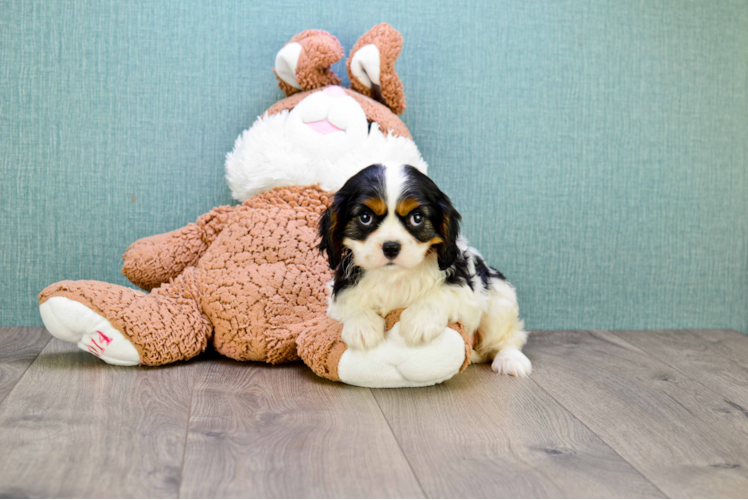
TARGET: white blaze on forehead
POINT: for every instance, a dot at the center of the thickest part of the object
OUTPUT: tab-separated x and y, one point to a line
391	228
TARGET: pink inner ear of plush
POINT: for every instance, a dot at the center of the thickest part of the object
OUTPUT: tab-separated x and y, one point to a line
324	127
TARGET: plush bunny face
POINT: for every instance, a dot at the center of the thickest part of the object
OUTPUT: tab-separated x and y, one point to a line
322	135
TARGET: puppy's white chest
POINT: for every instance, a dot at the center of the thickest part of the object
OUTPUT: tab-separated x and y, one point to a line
387	293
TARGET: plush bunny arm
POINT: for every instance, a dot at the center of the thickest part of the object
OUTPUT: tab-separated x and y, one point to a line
154	260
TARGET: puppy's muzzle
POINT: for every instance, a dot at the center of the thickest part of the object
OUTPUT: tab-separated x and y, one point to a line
390	249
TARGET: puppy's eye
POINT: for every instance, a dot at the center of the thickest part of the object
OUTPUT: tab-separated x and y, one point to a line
416	219
365	218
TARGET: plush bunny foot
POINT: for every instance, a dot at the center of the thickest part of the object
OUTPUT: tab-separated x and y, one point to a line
392	363
71	321
164	326
511	361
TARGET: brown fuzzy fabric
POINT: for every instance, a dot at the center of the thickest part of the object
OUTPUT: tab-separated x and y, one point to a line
375	111
289	102
286	88
468	344
264	274
391	319
256	285
165	326
389	42
151	261
320	346
319	51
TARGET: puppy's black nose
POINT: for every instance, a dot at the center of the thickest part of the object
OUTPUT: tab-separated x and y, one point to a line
391	249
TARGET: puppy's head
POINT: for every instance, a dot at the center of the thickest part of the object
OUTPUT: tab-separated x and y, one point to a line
390	216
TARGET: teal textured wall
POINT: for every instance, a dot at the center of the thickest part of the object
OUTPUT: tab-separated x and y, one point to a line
597	150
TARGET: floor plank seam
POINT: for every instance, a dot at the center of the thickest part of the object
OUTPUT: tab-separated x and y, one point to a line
24	371
690	377
600	438
394	436
186	435
715	351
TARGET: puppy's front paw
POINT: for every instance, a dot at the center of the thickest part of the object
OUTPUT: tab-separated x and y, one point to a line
511	361
421	324
364	331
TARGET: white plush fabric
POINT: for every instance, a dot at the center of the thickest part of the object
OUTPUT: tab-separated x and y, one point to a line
366	66
283	150
285	64
71	321
393	364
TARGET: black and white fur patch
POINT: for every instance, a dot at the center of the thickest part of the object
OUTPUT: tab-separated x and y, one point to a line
393	238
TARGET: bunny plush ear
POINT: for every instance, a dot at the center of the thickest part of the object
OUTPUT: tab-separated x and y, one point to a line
371	66
304	62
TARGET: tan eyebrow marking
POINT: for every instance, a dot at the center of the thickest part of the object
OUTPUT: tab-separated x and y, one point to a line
377	205
406	206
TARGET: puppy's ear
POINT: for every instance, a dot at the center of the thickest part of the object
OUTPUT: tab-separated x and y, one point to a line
450	229
330	242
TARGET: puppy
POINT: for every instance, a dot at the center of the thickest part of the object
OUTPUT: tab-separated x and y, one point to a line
392	237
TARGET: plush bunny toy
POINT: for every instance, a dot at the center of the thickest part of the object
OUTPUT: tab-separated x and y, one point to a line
248	279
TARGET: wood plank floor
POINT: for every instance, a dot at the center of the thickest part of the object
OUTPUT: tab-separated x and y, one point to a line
605	414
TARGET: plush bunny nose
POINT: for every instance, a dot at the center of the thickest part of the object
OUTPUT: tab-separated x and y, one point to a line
391	249
335	91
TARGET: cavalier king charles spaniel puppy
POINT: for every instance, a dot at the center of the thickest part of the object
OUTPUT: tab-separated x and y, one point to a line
393	239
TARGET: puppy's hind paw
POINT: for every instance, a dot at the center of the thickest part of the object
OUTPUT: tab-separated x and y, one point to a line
511	361
363	332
